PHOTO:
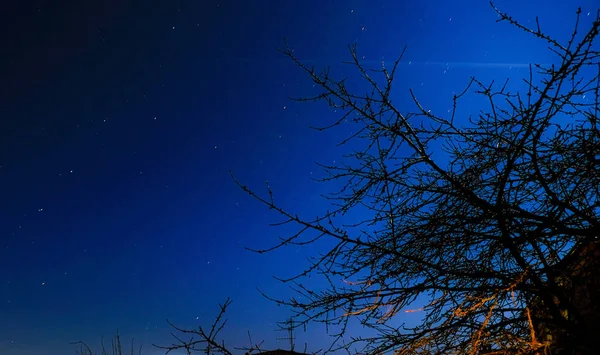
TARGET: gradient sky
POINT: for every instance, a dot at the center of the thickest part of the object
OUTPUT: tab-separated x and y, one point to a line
120	122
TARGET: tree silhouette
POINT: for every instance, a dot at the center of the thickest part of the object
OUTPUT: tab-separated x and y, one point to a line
480	233
207	340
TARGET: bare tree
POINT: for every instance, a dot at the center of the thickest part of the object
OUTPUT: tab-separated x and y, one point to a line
206	341
480	233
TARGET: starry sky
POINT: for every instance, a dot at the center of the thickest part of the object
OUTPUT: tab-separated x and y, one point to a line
121	120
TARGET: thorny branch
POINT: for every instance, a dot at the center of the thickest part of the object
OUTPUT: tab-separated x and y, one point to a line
478	229
201	340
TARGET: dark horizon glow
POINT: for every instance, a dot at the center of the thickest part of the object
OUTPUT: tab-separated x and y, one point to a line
121	121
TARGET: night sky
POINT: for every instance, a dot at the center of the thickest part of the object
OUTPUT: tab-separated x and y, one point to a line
121	120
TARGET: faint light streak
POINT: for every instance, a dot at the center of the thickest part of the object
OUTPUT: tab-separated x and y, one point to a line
413	310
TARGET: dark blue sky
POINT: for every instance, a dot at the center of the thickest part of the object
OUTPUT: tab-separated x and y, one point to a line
120	122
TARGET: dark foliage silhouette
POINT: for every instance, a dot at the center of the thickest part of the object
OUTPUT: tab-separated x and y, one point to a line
116	347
